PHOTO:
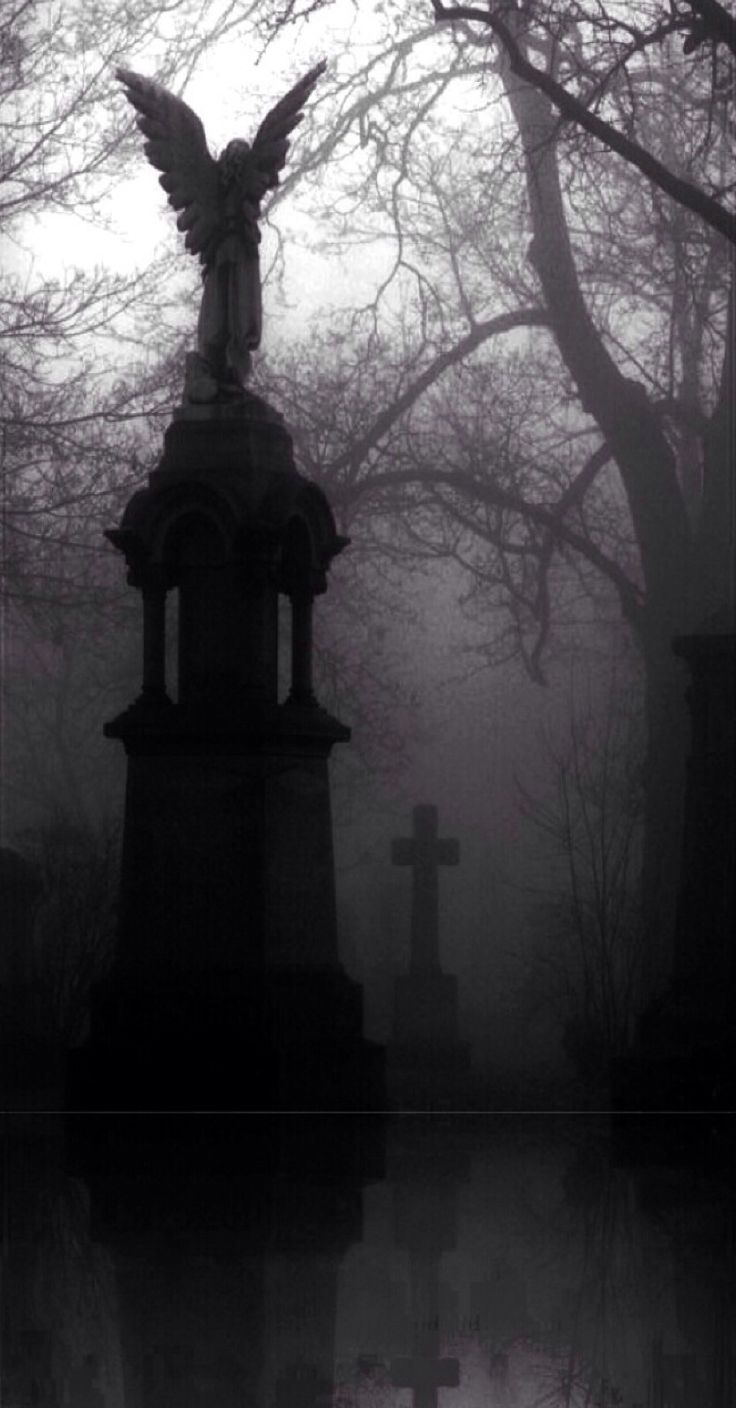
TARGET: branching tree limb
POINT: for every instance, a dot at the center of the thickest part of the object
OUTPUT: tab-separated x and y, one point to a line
715	214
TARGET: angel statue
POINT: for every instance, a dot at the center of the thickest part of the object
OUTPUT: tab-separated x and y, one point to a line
220	203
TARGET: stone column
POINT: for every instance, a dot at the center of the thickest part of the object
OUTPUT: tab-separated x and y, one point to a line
302	691
154	639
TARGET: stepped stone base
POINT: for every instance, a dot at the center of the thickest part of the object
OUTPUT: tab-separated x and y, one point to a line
289	1041
425	1009
684	1057
428	1066
431	1077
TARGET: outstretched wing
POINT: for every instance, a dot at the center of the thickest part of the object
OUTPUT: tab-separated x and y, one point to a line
177	147
271	142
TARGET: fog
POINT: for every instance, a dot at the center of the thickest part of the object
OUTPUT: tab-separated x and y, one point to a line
366	713
503	1261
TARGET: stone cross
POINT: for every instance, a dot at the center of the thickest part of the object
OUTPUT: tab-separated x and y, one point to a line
425	1376
425	852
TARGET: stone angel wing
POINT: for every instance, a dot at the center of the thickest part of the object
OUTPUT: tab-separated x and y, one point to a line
271	142
177	147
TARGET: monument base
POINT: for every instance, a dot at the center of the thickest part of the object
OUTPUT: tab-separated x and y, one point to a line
431	1077
31	1060
287	1040
425	1008
428	1066
684	1056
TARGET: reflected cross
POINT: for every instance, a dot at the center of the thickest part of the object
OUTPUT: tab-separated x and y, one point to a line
425	1377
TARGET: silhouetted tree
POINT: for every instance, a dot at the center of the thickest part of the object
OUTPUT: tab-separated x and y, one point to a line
587	197
591	957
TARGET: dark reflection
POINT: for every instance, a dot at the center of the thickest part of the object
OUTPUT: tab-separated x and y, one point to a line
303	1261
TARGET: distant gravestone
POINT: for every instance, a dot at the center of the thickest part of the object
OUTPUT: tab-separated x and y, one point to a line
428	1064
425	1376
29	1058
424	1174
425	852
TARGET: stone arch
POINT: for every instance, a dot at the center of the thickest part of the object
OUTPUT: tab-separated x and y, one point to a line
196	556
190	531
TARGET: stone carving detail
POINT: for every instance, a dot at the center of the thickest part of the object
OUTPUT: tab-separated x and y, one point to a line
219	203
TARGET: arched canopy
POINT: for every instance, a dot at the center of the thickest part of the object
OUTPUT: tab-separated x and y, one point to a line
288	511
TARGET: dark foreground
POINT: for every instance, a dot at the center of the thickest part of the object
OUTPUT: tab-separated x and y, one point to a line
499	1261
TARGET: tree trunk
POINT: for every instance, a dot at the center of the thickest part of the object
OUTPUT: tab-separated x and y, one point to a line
716	536
648	472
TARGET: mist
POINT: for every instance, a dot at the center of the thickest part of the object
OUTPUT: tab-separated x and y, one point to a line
367	756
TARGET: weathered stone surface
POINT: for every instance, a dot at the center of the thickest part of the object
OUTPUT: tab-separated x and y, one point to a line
220	204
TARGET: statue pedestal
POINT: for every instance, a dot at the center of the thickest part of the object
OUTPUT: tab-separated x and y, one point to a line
227	991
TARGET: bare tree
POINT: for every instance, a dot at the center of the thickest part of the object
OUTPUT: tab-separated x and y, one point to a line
585	220
592	950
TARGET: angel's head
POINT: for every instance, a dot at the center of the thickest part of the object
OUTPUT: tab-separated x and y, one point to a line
238	147
233	160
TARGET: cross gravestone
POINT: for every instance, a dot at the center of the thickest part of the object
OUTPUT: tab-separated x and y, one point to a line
425	1171
425	852
425	1377
428	1064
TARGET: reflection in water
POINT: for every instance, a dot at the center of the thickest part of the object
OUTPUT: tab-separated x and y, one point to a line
297	1262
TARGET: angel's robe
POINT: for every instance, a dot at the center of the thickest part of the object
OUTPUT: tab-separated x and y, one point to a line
230	316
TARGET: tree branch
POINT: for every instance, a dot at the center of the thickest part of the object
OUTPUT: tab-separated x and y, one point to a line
479	333
684	192
485	491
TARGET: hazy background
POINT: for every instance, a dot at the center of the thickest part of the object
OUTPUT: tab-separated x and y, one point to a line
469	649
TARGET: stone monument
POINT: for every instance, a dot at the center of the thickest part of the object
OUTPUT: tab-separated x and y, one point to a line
684	1054
428	1064
226	990
30	1057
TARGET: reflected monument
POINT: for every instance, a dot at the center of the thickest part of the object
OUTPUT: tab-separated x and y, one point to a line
177	1261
